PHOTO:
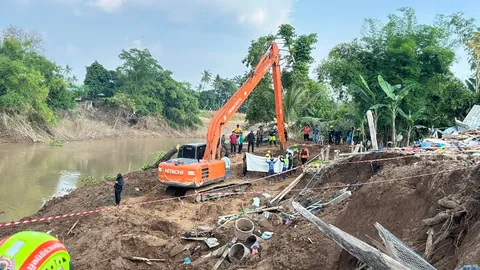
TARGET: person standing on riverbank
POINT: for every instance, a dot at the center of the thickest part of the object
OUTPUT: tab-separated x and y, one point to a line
118	188
240	142
233	143
251	141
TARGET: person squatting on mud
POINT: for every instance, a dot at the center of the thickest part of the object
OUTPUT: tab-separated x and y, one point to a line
118	188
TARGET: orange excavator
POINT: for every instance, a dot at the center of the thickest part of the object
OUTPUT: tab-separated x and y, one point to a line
199	167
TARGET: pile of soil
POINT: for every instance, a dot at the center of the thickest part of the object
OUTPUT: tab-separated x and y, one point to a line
108	239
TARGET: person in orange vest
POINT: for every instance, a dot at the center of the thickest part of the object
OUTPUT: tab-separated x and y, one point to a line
306	133
304	154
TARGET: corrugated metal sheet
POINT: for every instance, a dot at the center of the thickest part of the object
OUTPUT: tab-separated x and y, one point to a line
473	118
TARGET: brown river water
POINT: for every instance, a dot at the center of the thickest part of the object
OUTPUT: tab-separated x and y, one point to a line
32	174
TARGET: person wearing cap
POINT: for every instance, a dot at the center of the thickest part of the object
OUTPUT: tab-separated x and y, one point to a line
33	250
304	154
268	154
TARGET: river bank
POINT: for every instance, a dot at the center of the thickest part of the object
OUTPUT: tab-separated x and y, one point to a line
99	124
153	223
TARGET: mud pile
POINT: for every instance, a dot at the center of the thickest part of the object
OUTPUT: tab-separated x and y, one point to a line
109	239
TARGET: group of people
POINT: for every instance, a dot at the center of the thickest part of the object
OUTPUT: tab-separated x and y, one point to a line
287	160
315	131
335	136
237	139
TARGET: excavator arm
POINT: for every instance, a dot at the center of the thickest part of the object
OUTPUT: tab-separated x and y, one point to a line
225	113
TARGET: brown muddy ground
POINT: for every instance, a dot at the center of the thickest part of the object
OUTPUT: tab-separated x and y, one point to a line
106	240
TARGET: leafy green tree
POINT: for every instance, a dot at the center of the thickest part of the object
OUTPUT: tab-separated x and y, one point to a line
99	81
154	91
403	52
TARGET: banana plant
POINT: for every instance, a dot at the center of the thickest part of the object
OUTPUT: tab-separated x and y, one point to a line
395	94
372	99
411	119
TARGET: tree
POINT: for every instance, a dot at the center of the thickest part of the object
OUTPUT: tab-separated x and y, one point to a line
206	78
411	119
371	100
403	52
395	95
99	81
154	91
474	45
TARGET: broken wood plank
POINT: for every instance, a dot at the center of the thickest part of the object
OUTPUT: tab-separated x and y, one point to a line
377	244
429	244
372	129
359	249
284	192
145	260
75	224
220	261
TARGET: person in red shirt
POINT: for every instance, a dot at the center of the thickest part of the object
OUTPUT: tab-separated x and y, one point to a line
306	133
233	143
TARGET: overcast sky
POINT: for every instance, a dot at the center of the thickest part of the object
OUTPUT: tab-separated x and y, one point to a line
188	36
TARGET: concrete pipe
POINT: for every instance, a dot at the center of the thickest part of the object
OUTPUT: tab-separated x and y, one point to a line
238	252
243	228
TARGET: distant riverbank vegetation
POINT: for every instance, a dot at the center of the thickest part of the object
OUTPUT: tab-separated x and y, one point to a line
396	67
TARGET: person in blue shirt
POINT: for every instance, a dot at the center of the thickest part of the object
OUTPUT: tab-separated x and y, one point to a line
315	134
271	166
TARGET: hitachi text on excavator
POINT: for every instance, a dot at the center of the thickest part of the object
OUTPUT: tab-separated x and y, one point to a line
198	167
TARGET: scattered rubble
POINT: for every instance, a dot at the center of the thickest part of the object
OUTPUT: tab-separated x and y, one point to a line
352	194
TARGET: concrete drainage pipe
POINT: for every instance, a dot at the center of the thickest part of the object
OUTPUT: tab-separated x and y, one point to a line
243	228
238	252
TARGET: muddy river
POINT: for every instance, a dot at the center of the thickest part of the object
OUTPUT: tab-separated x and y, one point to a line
33	174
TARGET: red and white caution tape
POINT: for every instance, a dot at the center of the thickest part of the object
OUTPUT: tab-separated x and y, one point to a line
83	213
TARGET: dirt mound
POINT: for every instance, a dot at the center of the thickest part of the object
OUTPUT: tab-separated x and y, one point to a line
109	239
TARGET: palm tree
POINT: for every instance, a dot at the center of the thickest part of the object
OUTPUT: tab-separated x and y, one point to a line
206	78
411	119
395	96
292	103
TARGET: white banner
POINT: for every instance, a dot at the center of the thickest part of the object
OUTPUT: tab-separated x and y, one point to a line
259	164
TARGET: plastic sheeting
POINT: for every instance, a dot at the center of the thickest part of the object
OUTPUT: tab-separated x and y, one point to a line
259	164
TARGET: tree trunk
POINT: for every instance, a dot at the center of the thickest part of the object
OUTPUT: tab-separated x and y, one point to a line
394	139
408	136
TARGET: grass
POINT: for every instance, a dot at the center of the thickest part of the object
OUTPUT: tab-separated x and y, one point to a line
56	143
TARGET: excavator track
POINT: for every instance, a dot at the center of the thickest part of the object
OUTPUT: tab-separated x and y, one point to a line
217	191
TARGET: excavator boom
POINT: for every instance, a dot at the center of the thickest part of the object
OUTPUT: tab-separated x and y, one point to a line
198	166
224	114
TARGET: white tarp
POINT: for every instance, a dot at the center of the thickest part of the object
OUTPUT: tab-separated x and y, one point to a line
259	164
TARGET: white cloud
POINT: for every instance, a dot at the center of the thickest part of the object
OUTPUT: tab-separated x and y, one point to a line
107	5
264	15
156	48
70	50
77	12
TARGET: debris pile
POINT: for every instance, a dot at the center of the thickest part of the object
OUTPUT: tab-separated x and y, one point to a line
428	202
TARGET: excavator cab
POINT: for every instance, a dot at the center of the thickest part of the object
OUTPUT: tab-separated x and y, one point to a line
192	151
